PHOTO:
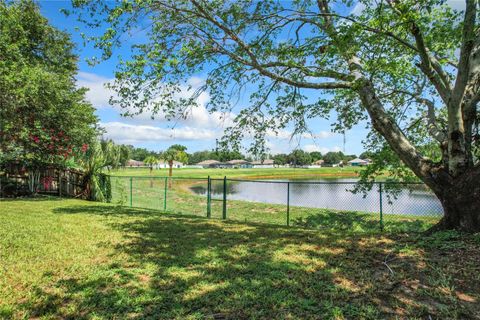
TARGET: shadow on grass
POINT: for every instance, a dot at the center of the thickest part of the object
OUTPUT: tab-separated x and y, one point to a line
105	209
38	197
358	222
167	268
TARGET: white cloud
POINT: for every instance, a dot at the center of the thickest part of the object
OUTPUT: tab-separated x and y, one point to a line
97	94
195	124
130	134
197	116
287	134
357	9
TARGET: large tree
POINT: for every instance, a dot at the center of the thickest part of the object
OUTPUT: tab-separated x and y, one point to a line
411	67
44	117
299	158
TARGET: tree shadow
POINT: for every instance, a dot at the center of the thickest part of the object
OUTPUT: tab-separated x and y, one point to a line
176	267
345	220
33	198
354	221
105	210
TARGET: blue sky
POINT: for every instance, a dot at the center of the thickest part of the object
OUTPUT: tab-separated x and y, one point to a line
200	130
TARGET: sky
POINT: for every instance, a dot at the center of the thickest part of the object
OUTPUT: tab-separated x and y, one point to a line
201	129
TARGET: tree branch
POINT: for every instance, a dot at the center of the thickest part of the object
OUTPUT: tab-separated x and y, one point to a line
431	67
458	147
381	120
253	62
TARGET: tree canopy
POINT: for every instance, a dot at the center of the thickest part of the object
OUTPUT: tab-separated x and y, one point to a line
44	117
411	68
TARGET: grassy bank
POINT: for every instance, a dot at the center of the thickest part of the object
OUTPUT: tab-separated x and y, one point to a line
267	173
78	259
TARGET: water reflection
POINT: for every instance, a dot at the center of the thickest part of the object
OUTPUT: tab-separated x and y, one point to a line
414	200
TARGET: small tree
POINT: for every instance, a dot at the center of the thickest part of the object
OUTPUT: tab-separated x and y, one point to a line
333	157
299	158
173	154
97	157
280	159
150	161
316	155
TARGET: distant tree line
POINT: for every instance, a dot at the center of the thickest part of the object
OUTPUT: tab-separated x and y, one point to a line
297	157
301	158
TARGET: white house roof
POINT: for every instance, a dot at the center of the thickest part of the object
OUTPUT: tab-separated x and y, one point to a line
208	162
132	162
162	161
239	161
266	162
357	160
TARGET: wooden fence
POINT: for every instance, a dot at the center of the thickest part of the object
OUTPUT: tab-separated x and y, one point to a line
15	181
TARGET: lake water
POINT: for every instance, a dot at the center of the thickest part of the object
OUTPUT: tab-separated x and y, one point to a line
331	194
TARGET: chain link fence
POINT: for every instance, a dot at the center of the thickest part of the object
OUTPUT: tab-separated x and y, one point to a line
336	205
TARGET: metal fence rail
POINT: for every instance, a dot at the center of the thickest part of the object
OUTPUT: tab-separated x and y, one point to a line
313	204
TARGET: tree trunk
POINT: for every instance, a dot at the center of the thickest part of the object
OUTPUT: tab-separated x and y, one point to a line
461	203
151	180
170	168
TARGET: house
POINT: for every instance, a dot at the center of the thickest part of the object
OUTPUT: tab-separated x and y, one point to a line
162	164
210	164
239	164
316	164
267	163
135	163
357	162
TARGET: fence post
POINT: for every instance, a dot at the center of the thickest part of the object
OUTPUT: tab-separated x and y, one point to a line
381	205
288	203
224	212
209	197
59	184
131	192
165	195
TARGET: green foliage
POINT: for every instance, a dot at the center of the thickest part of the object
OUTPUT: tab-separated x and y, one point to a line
125	154
316	155
299	158
294	77
221	155
178	147
100	156
44	117
105	186
333	157
139	154
280	159
174	154
150	161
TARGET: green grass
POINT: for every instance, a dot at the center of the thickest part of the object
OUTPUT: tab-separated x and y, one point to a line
85	260
273	173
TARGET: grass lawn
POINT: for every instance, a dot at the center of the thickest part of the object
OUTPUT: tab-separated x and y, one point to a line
259	173
77	259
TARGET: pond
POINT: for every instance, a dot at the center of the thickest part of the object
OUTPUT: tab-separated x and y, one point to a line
330	193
